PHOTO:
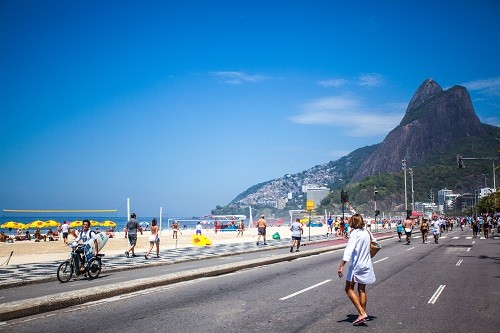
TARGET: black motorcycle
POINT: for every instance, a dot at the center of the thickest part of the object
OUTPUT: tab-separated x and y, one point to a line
77	259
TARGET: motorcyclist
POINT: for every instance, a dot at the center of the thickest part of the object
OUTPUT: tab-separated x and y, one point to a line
84	237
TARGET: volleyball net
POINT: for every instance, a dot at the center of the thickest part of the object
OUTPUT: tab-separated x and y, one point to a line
59	215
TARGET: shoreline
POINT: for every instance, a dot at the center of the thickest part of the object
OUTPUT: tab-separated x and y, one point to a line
28	252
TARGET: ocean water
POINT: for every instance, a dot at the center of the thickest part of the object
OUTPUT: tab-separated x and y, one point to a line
121	221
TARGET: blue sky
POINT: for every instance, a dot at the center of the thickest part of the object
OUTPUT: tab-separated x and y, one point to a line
185	104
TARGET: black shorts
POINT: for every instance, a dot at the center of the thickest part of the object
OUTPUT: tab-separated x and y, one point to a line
132	239
261	231
296	237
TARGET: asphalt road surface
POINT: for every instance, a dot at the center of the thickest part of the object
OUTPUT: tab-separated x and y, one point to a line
452	286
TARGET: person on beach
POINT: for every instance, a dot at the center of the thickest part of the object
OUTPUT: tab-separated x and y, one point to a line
154	239
175	229
198	228
241	228
65	231
297	232
261	229
361	270
132	228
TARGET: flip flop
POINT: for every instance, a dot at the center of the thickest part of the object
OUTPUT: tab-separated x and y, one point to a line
360	321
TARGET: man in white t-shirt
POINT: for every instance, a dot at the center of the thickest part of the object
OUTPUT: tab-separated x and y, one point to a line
65	231
297	232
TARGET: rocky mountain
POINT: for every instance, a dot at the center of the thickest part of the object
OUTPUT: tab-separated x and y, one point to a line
438	125
434	120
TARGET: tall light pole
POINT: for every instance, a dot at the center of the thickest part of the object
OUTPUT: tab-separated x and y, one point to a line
375	192
412	202
403	162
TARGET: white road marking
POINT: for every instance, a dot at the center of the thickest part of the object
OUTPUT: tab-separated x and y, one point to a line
456	237
468	249
304	290
380	260
411	248
436	294
468	237
473	242
459	262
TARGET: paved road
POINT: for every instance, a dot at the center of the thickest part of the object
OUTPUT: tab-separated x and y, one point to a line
452	286
21	298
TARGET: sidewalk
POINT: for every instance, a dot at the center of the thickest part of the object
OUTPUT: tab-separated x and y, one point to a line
15	275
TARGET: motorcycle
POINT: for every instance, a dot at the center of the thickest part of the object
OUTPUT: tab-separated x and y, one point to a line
92	264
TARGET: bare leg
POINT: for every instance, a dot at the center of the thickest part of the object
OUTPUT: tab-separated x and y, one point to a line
362	295
355	298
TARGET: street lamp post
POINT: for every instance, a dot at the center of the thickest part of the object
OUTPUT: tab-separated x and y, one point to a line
403	162
343	198
375	192
412	202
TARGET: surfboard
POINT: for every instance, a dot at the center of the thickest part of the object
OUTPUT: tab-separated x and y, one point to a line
95	244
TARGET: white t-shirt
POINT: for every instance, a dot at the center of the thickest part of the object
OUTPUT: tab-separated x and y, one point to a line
65	228
296	229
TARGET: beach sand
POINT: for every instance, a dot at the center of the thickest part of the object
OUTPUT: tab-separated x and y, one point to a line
27	252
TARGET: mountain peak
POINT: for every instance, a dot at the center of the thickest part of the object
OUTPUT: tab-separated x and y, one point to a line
427	90
434	120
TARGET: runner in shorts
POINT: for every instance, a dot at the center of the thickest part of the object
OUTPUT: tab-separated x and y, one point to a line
261	229
297	232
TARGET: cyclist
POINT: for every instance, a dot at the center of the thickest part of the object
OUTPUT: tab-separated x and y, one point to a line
84	237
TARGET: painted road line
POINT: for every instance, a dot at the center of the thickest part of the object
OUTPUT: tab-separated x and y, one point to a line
459	262
436	294
473	242
304	290
456	237
468	237
380	260
468	249
411	248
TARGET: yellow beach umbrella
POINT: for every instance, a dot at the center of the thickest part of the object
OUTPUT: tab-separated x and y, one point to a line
108	223
76	224
12	225
94	223
52	223
38	224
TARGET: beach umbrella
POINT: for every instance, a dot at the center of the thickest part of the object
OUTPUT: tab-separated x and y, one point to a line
108	223
76	224
38	224
94	223
11	224
52	223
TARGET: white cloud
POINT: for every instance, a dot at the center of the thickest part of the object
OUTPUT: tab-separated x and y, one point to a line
333	83
371	80
356	119
490	87
237	77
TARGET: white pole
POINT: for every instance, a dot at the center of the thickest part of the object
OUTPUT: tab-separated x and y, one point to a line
494	180
250	224
161	213
128	209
